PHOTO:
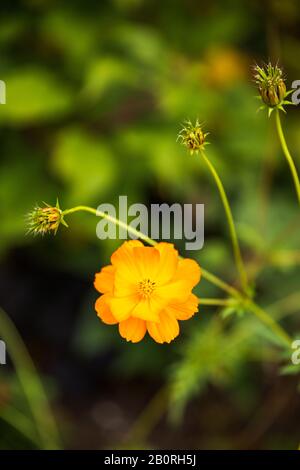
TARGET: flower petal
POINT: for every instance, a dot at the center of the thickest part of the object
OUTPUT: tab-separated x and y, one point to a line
167	263
146	310
132	329
177	291
184	311
121	307
123	259
164	331
147	259
103	310
123	286
104	281
188	269
157	310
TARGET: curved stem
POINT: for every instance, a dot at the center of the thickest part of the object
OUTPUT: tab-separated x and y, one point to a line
217	302
269	321
285	306
235	243
287	154
112	219
254	308
212	278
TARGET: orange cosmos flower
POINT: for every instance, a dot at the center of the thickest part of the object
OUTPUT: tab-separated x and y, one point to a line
147	289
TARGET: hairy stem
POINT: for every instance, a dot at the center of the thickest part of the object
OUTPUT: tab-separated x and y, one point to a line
287	154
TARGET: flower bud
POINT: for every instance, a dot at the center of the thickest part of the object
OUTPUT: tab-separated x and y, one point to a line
42	220
193	137
271	84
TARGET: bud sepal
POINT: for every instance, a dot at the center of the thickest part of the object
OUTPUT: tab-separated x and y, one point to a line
272	88
46	219
193	137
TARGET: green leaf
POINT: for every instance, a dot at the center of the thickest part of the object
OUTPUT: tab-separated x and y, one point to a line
105	73
34	95
85	164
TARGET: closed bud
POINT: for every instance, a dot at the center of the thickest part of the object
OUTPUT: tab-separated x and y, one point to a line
47	219
193	137
271	84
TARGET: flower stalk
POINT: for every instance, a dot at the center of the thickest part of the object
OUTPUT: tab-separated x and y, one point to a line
287	154
218	302
269	321
234	239
212	278
194	139
273	94
241	297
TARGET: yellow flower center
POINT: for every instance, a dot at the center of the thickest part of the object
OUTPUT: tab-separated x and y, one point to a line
146	287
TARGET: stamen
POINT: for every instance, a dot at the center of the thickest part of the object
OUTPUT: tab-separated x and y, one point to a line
146	287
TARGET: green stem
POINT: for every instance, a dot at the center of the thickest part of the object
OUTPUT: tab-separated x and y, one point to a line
260	313
217	302
287	154
234	239
206	274
285	306
269	321
213	279
112	219
31	384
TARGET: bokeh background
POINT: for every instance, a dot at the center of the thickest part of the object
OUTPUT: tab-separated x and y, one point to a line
96	94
